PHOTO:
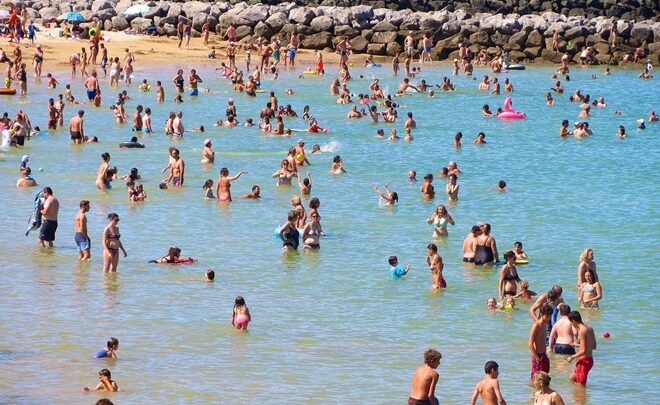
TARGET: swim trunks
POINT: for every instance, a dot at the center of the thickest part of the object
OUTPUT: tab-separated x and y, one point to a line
176	181
194	92
410	51
52	124
83	242
91	93
75	135
562	348
541	363
47	231
582	368
415	401
443	283
241	321
428	49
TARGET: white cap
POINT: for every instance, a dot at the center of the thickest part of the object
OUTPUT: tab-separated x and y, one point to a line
640	121
24	158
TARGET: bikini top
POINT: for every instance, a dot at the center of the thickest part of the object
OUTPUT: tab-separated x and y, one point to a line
510	277
588	288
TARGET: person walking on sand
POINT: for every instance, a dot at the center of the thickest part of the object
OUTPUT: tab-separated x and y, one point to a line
49	210
424	379
587	340
489	387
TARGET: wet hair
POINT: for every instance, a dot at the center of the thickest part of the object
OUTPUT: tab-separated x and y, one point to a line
509	255
314	203
543	377
295	200
306	181
394	196
210	274
564	309
255	187
546	309
491	366
239	301
105	156
518	244
292	215
112	342
105	373
113	216
575	316
452	176
476	229
162	186
481	134
336	159
432	356
381	132
104	401
174	252
444	171
486	228
134	139
208	183
433	247
552	294
47	190
428	177
224	172
83	203
392	260
501	184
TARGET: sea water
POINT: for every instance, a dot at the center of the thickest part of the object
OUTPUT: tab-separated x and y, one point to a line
330	326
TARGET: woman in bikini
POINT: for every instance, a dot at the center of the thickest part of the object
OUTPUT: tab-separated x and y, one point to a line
311	234
222	189
586	264
101	182
427	190
508	284
173	257
439	219
590	291
112	244
284	174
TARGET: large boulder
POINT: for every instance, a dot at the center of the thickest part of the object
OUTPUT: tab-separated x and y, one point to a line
119	23
409	23
517	40
553	17
243	31
575	32
48	13
376	49
255	13
140	23
122	5
105	14
302	15
158	11
508	26
451	28
277	20
430	24
384	37
533	21
641	32
346	31
263	30
362	12
532	52
534	39
322	24
359	44
193	7
317	41
393	49
200	19
480	38
601	47
384	26
100	5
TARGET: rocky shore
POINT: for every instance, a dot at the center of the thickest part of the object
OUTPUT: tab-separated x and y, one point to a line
522	27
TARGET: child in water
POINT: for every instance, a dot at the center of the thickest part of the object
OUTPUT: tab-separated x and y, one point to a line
518	250
209	276
397	271
208	189
106	383
109	350
240	315
525	294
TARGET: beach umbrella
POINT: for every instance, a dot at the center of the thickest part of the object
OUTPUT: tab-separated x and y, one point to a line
71	16
137	9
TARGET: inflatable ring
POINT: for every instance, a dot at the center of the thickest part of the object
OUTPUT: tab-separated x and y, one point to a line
92	32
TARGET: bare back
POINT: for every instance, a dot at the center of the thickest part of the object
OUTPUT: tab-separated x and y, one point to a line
423	380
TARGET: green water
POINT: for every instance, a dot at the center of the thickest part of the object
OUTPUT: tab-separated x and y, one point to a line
330	326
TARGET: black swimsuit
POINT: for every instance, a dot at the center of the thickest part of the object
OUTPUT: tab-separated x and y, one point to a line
483	254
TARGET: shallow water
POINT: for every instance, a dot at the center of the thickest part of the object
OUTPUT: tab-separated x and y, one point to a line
330	326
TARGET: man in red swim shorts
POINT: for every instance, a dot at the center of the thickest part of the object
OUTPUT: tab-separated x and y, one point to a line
536	343
587	339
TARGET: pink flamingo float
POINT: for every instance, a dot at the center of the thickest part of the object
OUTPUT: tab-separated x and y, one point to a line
509	113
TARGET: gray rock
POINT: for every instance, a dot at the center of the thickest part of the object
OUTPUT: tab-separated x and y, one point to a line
160	10
107	25
119	23
517	40
410	23
601	47
376	49
121	6
359	44
534	39
243	31
367	34
173	12
48	13
384	26
346	31
200	19
277	20
362	12
575	32
87	14
360	24
322	24
641	32
594	39
140	23
384	37
451	28
552	17
535	22
430	24
302	15
532	52
105	14
342	16
317	41
100	5
255	13
480	38
168	30
263	30
624	28
193	7
232	19
393	49
508	26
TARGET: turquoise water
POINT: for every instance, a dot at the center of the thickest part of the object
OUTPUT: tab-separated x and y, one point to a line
330	326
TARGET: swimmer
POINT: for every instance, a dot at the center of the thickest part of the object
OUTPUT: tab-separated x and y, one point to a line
397	271
434	261
337	166
587	344
525	293
240	314
380	133
518	250
145	86
439	219
412	176
452	188
81	237
621	132
305	184
393	135
453	168
485	111
255	194
208	154
427	190
408	137
653	117
457	140
489	387
590	291
284	174
501	186
198	129
491	304
390	197
545	395
549	100
222	190
208	189
316	148
109	350
424	380
173	257
587	263
640	124
480	139
26	179
289	234
106	383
